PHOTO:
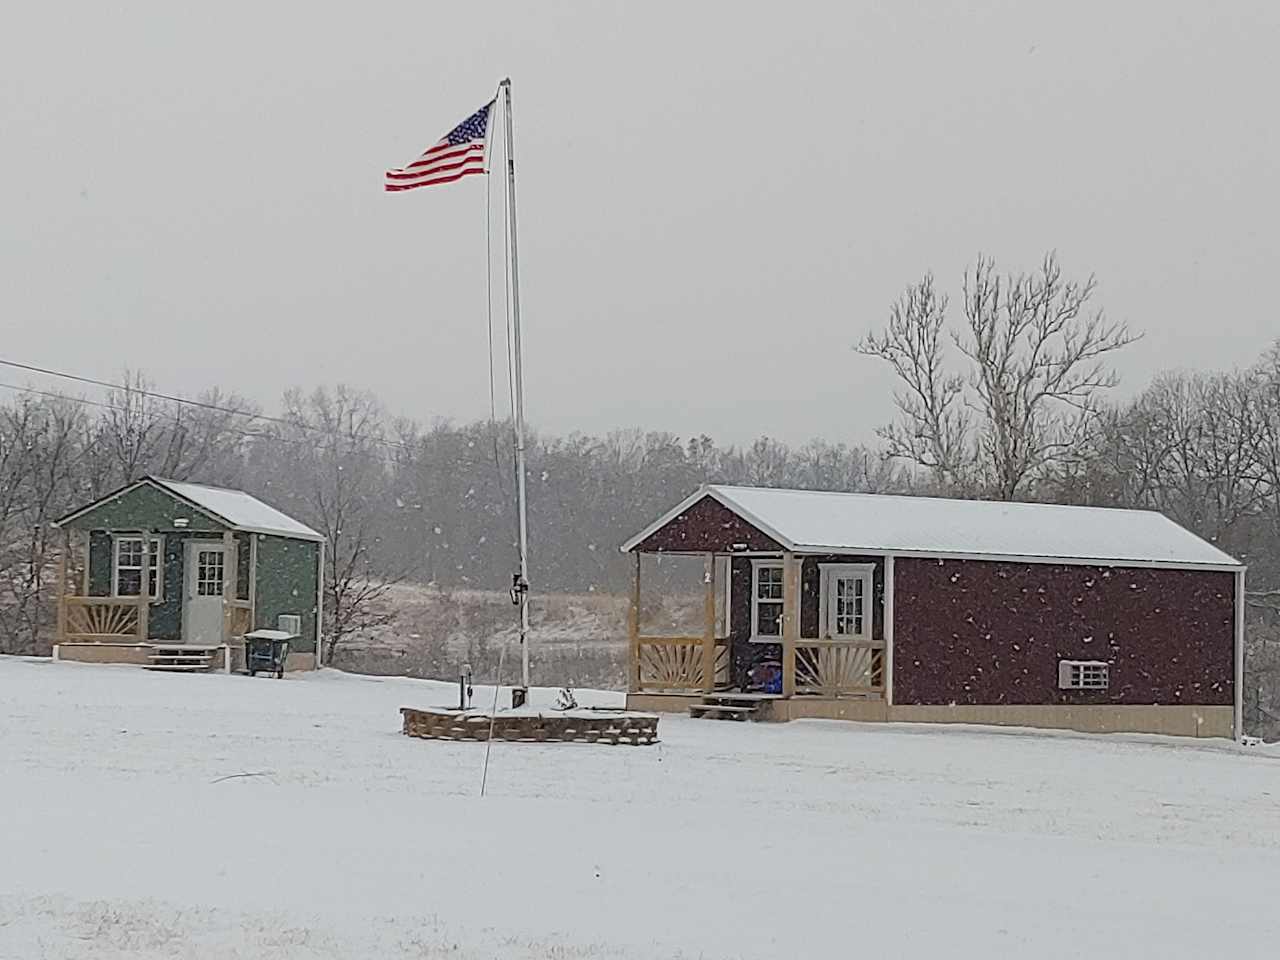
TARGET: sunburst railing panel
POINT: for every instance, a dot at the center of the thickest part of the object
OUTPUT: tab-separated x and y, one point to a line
671	663
837	668
103	619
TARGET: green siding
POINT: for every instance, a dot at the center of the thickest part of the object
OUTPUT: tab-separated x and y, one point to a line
99	564
286	569
244	548
143	508
286	583
164	622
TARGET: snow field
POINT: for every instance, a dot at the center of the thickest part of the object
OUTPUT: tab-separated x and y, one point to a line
210	816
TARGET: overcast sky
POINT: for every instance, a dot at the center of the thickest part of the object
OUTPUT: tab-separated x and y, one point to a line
714	205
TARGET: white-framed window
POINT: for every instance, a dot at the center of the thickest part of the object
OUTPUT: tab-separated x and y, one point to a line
766	601
845	604
1083	674
135	560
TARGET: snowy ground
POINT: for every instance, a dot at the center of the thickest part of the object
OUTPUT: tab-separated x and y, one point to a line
210	816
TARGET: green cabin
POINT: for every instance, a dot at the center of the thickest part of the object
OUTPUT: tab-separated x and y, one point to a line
161	564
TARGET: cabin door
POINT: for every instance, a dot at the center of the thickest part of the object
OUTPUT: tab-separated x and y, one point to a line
202	604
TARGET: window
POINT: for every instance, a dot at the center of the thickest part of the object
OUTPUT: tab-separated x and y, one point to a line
845	602
766	600
133	555
1083	674
209	572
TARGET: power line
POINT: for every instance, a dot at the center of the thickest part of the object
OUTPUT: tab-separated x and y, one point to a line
85	401
184	401
204	405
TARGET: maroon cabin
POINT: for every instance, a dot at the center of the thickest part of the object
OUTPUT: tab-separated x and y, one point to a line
871	607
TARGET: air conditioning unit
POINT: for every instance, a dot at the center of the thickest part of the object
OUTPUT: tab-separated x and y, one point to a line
289	623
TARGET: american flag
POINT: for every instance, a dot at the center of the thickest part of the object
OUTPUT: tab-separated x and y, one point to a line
460	152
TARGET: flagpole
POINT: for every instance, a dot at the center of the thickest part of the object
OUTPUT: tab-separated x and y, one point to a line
520	585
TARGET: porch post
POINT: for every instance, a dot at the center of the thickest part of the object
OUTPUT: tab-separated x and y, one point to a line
1237	703
633	631
888	630
230	574
60	633
144	591
85	558
709	623
790	621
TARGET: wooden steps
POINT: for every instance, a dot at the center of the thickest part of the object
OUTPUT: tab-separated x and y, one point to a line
729	706
719	711
181	659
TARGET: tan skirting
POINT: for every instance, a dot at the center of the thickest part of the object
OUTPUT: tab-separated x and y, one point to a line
140	655
137	653
1181	720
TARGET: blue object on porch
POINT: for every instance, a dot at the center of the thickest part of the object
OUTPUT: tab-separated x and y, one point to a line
766	676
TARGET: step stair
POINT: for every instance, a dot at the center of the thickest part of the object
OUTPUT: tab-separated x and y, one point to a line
180	659
727	706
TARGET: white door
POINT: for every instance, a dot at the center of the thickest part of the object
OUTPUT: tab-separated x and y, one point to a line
202	608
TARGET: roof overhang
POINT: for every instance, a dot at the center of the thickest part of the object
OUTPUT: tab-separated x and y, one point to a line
791	546
156	484
128	488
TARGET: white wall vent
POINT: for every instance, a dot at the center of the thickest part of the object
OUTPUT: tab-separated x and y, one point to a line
289	623
1083	674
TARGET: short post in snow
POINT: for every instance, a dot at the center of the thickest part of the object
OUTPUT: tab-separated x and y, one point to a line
465	689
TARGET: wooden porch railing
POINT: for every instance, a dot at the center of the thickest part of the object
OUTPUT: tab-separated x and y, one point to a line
103	620
678	664
840	668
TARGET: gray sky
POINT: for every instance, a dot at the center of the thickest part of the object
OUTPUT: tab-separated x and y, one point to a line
714	205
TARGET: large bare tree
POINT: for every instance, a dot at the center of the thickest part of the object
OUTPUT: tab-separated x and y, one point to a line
1034	356
329	464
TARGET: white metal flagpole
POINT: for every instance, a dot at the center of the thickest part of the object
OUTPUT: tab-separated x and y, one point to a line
520	584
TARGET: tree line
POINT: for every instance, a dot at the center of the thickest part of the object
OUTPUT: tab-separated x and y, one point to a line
1006	397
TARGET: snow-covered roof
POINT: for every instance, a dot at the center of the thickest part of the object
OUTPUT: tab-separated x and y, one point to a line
232	508
807	521
239	509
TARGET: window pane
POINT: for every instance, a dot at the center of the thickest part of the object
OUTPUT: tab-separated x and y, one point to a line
129	553
129	582
769	619
848	606
209	573
769	583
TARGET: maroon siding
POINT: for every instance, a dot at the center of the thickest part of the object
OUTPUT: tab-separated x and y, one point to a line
983	632
746	654
707	527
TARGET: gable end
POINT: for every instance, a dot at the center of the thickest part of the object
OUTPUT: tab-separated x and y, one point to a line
143	505
707	526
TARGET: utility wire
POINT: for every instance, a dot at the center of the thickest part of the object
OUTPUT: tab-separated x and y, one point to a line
85	401
184	401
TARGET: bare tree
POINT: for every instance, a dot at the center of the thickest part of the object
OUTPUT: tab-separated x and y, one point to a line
39	447
1035	358
933	425
334	443
1187	446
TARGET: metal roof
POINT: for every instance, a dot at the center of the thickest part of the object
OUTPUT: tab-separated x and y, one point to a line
808	521
234	508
